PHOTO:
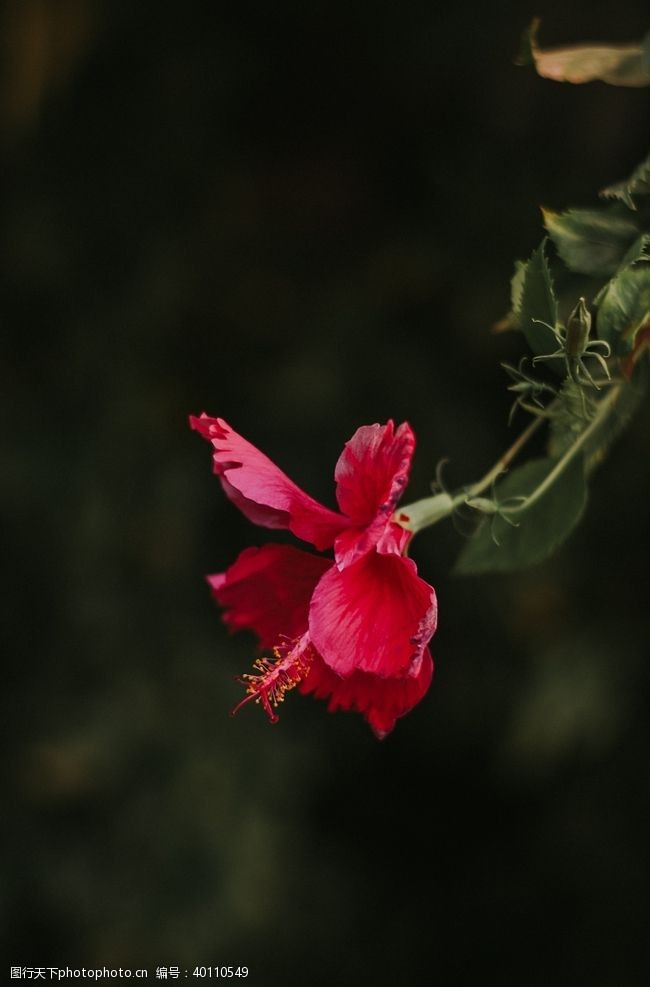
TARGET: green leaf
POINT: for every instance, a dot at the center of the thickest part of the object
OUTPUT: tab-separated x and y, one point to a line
538	303
619	65
592	241
630	397
576	407
638	251
624	307
541	528
637	184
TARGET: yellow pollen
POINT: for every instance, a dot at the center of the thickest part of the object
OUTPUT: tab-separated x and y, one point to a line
276	676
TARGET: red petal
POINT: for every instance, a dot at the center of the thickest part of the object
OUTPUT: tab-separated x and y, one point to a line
268	590
381	701
374	616
262	491
371	475
384	535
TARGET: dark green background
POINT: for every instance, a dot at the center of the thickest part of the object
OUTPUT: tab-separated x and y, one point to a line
303	218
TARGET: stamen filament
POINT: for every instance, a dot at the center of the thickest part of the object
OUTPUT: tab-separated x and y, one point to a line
275	676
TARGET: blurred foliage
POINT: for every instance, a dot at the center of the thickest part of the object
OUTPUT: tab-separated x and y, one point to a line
302	218
618	65
532	510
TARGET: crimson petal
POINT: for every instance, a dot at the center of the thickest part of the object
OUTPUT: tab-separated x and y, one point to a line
374	616
381	701
371	475
262	491
268	590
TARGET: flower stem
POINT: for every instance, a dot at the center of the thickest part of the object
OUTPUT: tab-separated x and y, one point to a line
424	513
604	408
505	460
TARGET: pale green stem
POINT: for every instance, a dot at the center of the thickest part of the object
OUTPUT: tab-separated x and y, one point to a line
424	513
505	460
604	409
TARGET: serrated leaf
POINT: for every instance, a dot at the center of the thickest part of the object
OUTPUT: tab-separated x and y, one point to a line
630	396
638	182
538	304
638	251
592	241
624	307
541	528
511	319
618	65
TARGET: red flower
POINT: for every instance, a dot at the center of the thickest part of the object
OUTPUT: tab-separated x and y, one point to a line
354	630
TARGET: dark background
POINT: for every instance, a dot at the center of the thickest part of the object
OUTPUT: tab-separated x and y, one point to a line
301	217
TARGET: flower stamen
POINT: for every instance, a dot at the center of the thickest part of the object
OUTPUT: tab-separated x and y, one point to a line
276	676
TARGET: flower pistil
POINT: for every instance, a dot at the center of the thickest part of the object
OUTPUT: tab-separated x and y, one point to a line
277	675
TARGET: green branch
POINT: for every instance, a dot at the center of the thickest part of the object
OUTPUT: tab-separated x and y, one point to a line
428	511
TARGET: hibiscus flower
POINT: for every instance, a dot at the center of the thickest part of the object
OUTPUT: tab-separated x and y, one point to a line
355	629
